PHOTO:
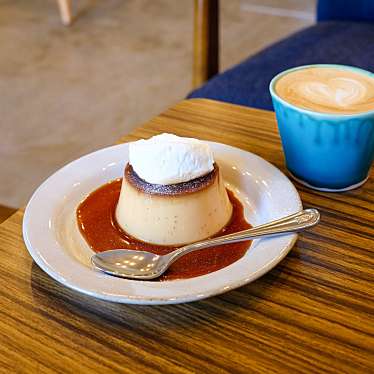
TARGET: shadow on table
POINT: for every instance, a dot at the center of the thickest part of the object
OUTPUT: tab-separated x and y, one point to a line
62	303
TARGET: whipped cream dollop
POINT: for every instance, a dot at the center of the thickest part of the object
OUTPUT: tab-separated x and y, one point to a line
170	159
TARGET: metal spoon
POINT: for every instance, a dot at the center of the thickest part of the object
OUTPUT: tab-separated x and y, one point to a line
128	263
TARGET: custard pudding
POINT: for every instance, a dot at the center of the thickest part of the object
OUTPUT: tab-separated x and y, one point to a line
172	192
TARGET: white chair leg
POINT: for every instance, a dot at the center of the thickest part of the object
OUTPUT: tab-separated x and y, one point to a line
65	11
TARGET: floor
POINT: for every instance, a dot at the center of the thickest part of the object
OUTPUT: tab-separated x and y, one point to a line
69	91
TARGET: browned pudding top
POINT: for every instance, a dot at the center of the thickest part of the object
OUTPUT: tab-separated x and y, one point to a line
183	188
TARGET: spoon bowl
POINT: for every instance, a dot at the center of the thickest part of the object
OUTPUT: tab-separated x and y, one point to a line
133	264
128	263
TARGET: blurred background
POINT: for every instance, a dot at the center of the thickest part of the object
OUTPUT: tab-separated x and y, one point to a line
66	91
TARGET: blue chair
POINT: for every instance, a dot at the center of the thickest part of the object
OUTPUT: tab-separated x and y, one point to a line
343	34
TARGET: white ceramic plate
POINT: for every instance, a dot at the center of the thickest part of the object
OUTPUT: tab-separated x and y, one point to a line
54	241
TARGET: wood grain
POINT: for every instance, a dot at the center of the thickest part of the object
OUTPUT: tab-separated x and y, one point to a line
206	41
5	212
313	313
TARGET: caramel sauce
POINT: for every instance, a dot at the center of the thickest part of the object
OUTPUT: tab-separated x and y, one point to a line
97	223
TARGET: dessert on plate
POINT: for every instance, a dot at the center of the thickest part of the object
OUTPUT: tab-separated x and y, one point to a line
172	192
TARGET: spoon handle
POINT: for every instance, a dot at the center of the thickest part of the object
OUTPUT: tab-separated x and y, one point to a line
295	222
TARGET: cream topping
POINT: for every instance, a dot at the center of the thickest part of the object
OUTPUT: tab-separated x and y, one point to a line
170	159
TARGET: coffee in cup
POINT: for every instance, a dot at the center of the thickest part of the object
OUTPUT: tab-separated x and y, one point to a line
325	116
327	90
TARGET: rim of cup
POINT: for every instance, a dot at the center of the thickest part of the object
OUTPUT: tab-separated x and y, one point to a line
315	113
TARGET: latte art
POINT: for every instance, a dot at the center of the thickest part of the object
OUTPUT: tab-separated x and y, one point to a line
340	92
328	90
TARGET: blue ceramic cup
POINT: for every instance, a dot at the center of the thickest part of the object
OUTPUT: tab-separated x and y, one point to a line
328	152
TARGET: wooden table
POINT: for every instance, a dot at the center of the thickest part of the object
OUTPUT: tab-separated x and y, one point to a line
312	313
